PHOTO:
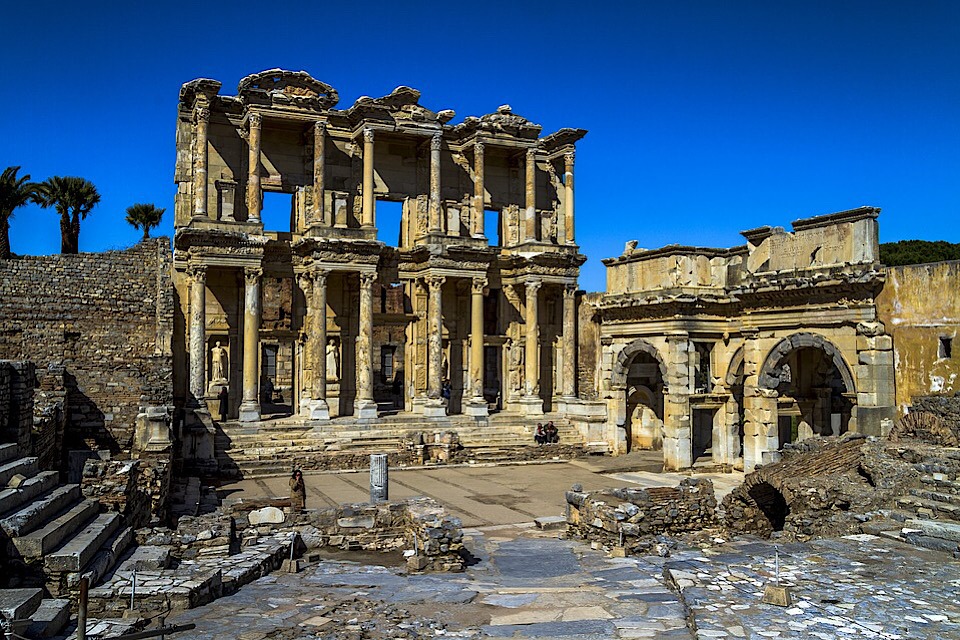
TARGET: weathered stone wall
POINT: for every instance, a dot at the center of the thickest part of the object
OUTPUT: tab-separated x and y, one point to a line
106	317
947	409
603	515
49	417
920	321
16	404
588	347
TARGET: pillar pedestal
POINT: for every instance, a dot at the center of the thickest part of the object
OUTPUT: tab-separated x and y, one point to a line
319	410
434	408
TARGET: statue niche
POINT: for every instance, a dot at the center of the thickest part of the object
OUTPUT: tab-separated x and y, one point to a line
333	361
219	364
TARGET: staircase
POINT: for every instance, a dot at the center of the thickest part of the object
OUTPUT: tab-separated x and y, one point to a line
51	534
27	614
929	515
275	447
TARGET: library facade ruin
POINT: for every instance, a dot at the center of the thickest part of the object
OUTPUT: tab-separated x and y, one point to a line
328	317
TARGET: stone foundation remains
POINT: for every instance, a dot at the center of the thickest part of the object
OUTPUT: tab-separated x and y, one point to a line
640	513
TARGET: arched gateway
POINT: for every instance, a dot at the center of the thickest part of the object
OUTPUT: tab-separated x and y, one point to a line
638	381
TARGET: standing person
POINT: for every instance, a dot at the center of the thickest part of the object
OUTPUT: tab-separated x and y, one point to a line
224	398
298	492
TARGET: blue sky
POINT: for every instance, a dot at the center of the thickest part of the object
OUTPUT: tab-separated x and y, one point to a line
705	118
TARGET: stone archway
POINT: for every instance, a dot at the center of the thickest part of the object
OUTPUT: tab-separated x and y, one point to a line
638	384
771	503
813	385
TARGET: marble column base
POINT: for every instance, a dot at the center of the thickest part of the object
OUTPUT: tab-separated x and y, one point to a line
249	411
531	405
318	410
416	404
364	409
564	404
476	407
434	408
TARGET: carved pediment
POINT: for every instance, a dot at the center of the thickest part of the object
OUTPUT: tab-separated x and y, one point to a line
200	87
503	121
287	86
403	103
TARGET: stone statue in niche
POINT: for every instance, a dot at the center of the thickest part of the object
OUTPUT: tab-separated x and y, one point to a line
333	361
218	363
516	365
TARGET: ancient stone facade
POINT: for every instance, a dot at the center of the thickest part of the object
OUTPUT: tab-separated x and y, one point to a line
104	321
727	354
919	307
468	309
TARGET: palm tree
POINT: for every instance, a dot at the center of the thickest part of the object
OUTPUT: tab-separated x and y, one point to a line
144	216
73	198
14	193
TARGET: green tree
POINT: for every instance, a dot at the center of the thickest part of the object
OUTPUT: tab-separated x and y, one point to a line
145	217
893	254
14	193
73	198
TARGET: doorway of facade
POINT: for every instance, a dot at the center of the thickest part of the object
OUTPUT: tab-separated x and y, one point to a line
702	437
492	389
644	416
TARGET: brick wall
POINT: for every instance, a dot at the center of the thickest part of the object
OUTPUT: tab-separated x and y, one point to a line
107	318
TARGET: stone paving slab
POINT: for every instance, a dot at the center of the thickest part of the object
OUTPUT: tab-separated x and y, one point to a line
858	586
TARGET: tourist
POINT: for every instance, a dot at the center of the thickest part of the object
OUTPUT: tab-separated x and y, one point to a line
298	491
553	436
224	398
539	436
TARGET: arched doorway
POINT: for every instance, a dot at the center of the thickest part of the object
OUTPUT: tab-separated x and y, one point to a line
771	503
814	387
639	373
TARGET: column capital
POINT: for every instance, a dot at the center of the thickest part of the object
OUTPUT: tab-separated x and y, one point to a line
478	285
367	278
202	114
533	285
367	134
255	120
320	276
304	278
197	273
252	275
320	127
478	147
570	290
568	159
435	282
435	141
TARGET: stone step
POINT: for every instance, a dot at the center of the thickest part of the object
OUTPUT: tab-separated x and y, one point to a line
42	541
22	466
936	529
105	559
41	483
79	550
936	509
19	604
39	511
943	484
49	619
937	496
8	451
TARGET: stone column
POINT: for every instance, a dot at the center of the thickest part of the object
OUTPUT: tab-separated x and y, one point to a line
570	342
253	177
369	202
531	402
434	405
200	164
436	224
250	407
568	196
308	347
319	169
198	334
477	405
479	195
318	332
530	216
364	406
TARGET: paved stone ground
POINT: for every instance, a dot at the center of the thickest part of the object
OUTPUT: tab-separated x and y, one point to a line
483	495
857	586
525	584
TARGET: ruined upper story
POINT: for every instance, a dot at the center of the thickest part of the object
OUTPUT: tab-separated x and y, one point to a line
458	184
834	250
